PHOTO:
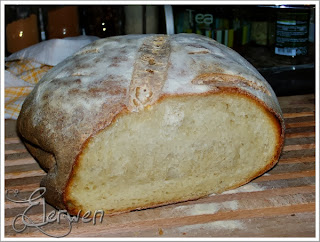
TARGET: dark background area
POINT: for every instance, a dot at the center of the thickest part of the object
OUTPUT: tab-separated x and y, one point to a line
252	28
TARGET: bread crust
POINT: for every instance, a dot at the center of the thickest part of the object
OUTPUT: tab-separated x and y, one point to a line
88	91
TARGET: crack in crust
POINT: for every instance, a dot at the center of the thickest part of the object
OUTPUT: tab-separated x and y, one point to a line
150	72
226	80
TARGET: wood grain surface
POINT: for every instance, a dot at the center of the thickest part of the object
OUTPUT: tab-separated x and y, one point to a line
280	203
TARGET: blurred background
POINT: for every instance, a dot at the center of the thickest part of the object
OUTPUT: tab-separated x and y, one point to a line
279	40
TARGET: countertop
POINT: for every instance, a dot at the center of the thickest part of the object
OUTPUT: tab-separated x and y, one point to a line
280	203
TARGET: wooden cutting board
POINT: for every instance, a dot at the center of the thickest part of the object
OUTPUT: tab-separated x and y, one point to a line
280	203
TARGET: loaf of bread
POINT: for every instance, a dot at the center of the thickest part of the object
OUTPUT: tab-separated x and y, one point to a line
138	121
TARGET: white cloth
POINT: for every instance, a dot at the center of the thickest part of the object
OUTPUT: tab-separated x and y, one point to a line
51	52
26	67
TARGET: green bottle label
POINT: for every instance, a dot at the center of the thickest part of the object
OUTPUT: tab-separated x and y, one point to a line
292	34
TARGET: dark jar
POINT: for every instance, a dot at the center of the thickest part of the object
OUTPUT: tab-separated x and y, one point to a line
292	33
21	27
63	21
102	21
